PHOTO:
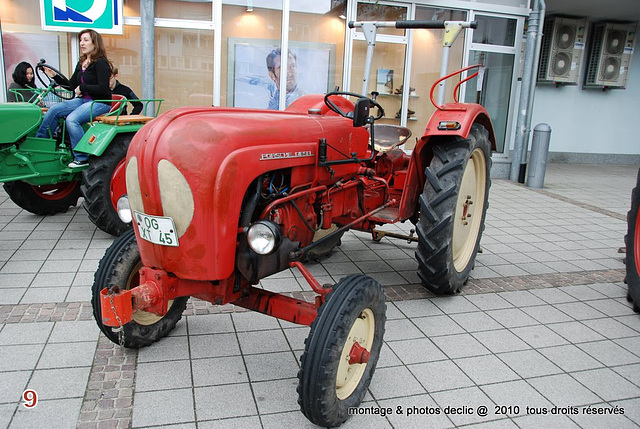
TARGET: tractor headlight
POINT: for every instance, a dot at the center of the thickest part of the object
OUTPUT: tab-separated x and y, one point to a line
176	195
124	209
263	237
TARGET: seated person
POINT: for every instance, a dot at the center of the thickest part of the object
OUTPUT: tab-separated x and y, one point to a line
23	82
124	90
90	81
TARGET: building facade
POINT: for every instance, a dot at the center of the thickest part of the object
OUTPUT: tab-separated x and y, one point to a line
222	52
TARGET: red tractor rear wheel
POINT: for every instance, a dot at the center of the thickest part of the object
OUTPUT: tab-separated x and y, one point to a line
120	266
44	199
342	350
632	241
104	184
453	208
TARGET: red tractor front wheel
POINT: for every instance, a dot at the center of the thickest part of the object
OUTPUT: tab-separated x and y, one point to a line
632	241
342	350
44	199
104	184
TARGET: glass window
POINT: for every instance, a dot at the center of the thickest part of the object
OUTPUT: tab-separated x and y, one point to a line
249	36
317	40
495	91
382	12
184	9
425	66
495	31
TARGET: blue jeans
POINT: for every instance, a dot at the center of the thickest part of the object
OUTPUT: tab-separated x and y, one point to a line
78	112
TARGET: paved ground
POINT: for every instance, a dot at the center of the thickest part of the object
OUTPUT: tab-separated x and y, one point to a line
542	336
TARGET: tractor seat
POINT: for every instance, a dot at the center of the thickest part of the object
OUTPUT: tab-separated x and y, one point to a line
388	137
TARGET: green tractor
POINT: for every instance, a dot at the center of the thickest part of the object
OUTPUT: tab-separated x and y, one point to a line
35	171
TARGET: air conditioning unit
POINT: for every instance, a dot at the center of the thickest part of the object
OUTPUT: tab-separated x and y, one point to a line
610	51
563	42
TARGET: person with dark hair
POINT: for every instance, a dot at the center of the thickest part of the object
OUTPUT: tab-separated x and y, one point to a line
273	67
90	81
124	90
23	82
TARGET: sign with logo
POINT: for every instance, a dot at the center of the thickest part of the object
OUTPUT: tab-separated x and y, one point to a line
104	16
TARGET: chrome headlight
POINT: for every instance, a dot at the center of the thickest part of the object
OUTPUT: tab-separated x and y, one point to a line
264	237
124	209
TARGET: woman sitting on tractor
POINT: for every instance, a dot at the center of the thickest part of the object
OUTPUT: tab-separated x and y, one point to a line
90	81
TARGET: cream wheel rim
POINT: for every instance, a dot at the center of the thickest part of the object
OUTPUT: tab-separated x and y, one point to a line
142	317
469	209
349	375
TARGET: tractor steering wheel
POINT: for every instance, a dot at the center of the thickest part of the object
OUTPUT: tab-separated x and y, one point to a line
332	106
56	87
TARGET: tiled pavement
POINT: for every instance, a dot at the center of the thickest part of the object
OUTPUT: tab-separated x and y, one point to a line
542	326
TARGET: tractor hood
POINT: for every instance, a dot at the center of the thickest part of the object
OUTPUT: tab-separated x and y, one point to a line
18	120
194	165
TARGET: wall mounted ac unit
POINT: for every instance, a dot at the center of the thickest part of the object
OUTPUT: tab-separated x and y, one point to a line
563	42
610	51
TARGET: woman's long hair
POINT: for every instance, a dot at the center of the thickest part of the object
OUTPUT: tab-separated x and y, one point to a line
20	75
96	39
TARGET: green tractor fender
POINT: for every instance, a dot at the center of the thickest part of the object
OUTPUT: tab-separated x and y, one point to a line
18	120
98	137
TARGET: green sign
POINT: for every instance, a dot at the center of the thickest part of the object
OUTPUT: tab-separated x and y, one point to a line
104	16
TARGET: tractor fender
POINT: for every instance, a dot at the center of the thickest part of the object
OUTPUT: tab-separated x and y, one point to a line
98	137
18	120
466	115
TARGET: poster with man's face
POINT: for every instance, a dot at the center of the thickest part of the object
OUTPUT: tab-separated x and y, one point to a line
253	85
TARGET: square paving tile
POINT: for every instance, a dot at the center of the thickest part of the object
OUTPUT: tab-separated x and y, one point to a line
486	369
609	353
537	421
517	393
60	383
441	375
575	332
21	357
579	310
271	366
173	374
539	336
418	308
553	295
563	391
454	304
210	324
401	329
512	317
12	385
168	348
416	350
607	384
610	328
570	358
547	314
216	371
276	396
460	345
529	363
464	397
66	355
163	407
437	325
58	413
216	345
631	344
263	341
489	301
394	382
500	341
475	321
25	333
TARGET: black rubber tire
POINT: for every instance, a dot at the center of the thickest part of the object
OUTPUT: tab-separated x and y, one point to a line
27	197
119	266
96	186
440	266
322	251
632	257
317	389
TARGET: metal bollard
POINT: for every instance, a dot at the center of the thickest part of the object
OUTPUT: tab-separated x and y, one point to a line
539	154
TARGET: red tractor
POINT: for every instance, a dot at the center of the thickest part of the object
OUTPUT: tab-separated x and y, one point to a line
632	241
224	197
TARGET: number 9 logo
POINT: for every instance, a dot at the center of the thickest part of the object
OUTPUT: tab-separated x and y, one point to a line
30	397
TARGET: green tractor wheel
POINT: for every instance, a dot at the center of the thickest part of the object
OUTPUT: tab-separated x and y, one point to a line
104	184
44	199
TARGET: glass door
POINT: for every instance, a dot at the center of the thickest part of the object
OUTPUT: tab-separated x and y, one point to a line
388	68
493	45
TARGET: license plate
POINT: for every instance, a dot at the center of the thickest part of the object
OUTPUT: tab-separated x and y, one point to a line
156	229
